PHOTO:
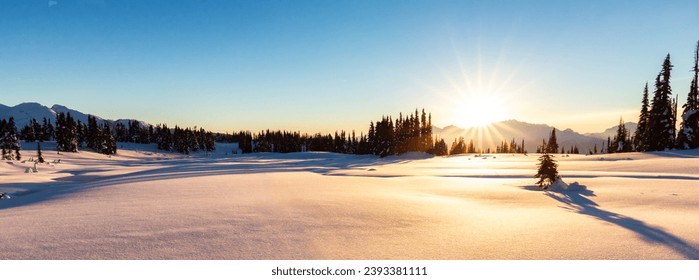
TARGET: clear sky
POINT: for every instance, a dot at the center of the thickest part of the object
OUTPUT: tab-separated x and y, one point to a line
327	65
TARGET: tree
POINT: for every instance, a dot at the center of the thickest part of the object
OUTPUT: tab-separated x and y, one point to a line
440	148
471	149
621	141
48	131
458	147
547	172
107	141
17	155
93	133
688	136
641	141
9	139
66	133
39	156
661	126
552	146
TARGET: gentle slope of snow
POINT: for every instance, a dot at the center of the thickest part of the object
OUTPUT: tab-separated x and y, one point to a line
145	204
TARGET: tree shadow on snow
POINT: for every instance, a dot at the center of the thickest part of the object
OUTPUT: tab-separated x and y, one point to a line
580	202
81	179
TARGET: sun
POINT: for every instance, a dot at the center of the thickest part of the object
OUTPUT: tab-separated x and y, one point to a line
479	109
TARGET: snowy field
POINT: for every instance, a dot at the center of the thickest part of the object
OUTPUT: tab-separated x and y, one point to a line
144	204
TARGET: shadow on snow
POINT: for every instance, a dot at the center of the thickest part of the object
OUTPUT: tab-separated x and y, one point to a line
78	180
579	202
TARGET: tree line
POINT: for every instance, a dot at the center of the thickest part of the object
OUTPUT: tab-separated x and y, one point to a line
658	117
412	133
385	137
71	135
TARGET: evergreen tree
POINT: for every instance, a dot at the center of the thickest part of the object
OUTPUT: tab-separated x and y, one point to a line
621	141
17	154
458	147
9	139
27	133
66	133
688	137
661	127
39	156
107	141
38	132
48	131
641	138
93	133
471	149
547	173
552	146
440	148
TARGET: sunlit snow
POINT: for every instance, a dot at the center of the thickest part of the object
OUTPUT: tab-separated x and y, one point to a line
145	204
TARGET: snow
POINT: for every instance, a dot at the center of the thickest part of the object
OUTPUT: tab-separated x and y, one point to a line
561	186
146	204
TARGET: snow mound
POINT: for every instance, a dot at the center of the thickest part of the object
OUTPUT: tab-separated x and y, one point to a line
561	186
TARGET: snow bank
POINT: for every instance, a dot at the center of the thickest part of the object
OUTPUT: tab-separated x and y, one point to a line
561	186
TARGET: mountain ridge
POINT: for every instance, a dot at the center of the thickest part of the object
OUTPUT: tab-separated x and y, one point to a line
487	137
23	113
533	135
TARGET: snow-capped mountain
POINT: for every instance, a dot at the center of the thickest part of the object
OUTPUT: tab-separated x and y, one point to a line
532	134
25	112
487	137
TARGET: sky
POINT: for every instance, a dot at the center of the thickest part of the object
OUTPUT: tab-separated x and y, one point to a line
321	66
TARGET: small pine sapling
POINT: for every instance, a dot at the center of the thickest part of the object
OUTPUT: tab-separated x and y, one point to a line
40	158
547	172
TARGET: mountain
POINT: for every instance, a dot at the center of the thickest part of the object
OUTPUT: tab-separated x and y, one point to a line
532	134
485	137
611	132
25	112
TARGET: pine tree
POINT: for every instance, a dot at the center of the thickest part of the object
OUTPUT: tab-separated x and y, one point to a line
471	149
38	132
39	156
458	147
66	133
93	133
547	172
621	141
440	148
552	146
9	139
641	138
48	131
661	127
107	141
688	137
17	154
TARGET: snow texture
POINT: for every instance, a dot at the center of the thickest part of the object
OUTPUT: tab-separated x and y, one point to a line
146	204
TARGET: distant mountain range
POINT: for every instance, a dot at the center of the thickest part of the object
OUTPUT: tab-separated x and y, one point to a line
532	134
25	112
487	137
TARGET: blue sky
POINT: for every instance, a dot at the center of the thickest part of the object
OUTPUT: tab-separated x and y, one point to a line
327	65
